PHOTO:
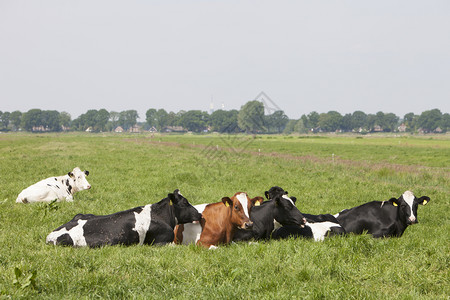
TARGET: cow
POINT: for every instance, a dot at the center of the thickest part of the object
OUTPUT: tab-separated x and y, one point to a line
190	233
314	226
382	218
220	220
56	188
151	224
277	211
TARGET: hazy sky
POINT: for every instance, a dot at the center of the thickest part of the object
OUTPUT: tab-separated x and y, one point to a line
390	56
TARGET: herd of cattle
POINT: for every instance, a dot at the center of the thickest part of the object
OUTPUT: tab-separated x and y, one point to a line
236	218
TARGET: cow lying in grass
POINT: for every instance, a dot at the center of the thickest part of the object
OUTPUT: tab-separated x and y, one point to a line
383	219
56	188
315	226
219	221
278	209
149	224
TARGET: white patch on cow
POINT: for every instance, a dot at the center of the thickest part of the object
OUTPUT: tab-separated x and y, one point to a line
243	199
143	220
191	233
336	215
408	196
320	229
289	199
212	247
200	207
276	225
76	234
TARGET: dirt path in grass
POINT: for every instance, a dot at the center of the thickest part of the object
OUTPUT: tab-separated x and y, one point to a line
307	158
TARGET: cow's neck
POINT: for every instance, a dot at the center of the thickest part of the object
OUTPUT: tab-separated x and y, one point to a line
400	222
165	209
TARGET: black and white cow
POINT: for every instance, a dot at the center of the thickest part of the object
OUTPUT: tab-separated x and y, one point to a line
316	226
382	218
149	224
277	211
56	188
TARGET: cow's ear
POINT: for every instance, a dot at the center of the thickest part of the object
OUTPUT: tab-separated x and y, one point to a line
257	201
70	174
395	201
227	201
423	200
294	199
266	193
172	198
86	173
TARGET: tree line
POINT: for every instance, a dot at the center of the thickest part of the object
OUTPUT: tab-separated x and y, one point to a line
250	119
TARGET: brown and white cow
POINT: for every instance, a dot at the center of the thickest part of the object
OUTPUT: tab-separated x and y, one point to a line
219	221
56	188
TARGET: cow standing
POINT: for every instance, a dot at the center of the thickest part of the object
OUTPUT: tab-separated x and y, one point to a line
383	219
149	224
56	188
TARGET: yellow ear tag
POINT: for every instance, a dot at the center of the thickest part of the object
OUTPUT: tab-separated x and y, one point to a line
227	204
425	202
395	204
170	202
257	203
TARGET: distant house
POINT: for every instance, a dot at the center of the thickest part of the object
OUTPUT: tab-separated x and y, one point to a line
118	129
135	129
153	129
438	130
40	128
377	128
402	128
89	129
174	129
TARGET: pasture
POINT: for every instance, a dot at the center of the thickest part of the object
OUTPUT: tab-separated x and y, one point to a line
326	174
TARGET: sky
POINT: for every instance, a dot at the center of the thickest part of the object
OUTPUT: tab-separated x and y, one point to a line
72	56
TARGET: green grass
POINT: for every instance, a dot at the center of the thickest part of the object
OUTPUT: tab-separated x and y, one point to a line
131	170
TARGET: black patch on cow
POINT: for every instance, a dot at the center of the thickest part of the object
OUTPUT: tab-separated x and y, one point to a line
48	184
64	240
56	179
67	181
69	189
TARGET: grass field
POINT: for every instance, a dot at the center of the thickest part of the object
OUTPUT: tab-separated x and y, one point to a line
326	174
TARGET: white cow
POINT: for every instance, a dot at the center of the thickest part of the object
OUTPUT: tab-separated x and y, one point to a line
56	188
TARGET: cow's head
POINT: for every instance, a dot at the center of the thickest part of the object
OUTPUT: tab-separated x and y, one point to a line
285	213
184	211
79	181
407	205
239	206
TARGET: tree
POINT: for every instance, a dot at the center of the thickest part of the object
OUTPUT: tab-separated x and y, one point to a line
346	123
410	121
16	118
390	122
128	118
276	121
114	118
224	121
161	118
290	126
150	117
50	120
251	117
64	119
101	119
359	120
330	121
5	119
300	127
194	120
429	120
313	120
32	118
